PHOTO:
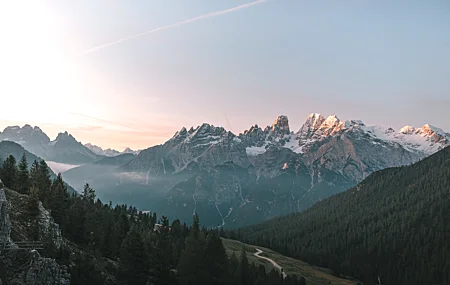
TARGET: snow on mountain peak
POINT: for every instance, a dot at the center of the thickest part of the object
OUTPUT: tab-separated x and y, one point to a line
429	130
331	122
407	130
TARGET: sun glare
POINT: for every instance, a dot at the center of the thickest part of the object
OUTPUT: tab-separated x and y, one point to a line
36	65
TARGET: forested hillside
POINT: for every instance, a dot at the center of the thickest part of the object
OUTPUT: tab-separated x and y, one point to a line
102	244
395	226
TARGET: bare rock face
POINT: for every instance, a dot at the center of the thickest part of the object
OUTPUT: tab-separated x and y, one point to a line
48	229
281	126
37	270
42	271
5	223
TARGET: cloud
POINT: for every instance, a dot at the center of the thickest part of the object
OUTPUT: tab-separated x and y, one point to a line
205	16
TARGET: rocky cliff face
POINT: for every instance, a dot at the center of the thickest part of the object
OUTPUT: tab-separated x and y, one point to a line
5	223
39	271
27	267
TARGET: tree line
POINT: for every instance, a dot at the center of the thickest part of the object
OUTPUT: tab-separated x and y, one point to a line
394	226
146	250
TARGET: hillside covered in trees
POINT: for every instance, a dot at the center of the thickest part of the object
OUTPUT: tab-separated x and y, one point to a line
102	244
395	226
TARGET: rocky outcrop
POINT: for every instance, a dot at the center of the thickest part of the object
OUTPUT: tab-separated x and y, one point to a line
23	267
281	126
5	223
48	230
42	271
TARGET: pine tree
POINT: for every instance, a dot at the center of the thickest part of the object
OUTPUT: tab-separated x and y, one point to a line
43	182
58	200
133	266
216	260
243	270
88	195
76	219
161	259
9	172
190	269
23	176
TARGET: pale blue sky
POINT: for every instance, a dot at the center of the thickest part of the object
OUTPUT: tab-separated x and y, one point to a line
384	62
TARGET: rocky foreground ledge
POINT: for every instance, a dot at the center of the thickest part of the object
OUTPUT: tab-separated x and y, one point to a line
22	266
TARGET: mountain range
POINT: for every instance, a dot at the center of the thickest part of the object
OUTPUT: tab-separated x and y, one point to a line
109	152
234	180
64	149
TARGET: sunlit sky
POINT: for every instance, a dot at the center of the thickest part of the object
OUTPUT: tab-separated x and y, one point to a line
384	62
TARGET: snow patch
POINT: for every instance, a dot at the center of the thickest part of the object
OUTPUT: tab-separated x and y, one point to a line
255	150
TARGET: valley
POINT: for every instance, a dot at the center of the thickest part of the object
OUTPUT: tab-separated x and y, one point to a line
236	180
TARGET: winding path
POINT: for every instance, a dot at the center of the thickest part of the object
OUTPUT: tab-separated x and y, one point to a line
276	265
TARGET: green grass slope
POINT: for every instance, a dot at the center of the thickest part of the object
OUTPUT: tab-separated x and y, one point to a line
314	275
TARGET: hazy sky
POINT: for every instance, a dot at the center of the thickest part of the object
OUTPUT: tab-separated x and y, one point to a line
384	62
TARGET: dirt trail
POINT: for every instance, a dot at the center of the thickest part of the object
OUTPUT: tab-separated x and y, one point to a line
276	265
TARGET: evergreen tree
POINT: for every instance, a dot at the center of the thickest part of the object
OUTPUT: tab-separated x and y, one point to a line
243	270
9	172
23	176
216	260
34	174
76	219
162	256
43	182
191	268
133	266
58	200
88	195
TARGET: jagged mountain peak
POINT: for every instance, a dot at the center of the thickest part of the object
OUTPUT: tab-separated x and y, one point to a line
280	125
64	136
11	128
204	130
25	129
315	115
253	131
426	130
313	122
429	129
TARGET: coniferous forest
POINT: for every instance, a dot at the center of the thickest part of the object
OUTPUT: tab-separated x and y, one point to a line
139	248
394	226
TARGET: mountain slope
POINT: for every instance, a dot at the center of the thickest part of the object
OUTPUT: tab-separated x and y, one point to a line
64	149
394	225
8	148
